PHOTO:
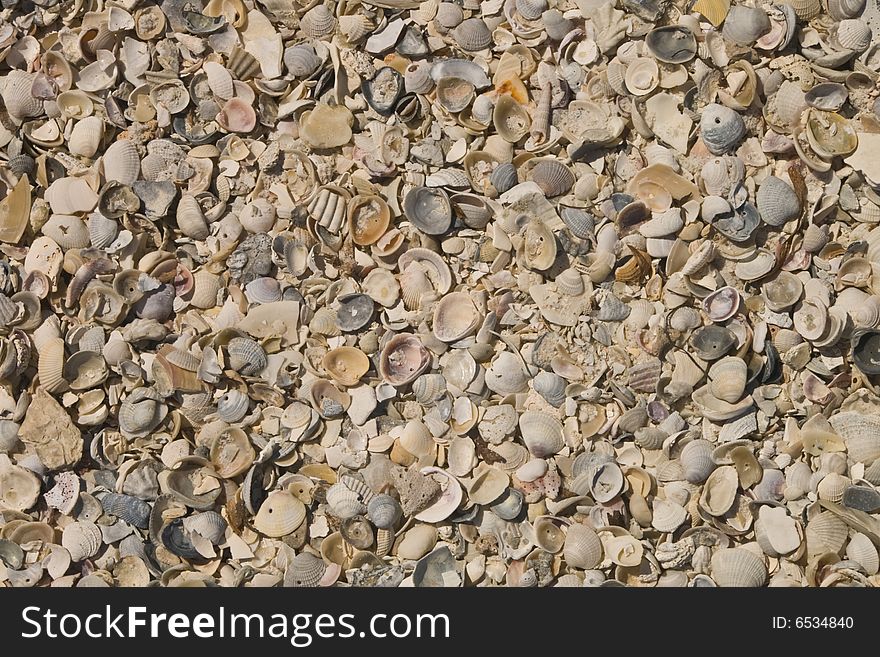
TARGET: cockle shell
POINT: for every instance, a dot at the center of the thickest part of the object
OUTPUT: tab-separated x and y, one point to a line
280	514
542	433
737	567
472	34
744	25
582	547
777	202
721	128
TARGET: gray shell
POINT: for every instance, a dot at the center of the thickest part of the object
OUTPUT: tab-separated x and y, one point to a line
745	25
673	44
777	202
712	342
504	177
246	356
429	210
383	511
128	508
355	312
472	35
721	128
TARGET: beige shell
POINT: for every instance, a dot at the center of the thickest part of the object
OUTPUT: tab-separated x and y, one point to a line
82	540
403	359
861	433
15	210
510	119
667	516
67	231
318	22
642	76
738	567
549	534
582	547
121	162
231	453
305	570
19	487
206	286
417	542
191	219
455	317
346	365
542	433
826	532
719	491
86	136
696	459
862	550
538	245
727	379
279	515
382	287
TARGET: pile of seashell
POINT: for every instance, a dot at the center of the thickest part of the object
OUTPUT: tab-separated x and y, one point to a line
439	293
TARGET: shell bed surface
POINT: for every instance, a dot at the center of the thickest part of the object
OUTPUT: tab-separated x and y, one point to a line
401	293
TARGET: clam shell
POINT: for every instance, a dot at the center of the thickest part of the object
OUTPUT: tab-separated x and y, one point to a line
538	246
777	202
455	317
542	433
719	491
738	567
554	178
667	516
82	540
403	359
673	44
346	365
384	511
745	25
280	514
727	379
472	34
510	119
305	570
429	210
582	547
861	550
696	459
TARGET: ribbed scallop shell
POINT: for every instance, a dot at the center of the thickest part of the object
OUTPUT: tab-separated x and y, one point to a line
551	387
429	388
531	9
696	459
128	508
472	35
301	60
205	288
122	162
777	202
542	433
861	550
69	232
102	231
246	356
554	178
50	366
355	27
582	547
384	511
207	524
570	282
805	9
825	533
503	177
667	516
233	406
304	571
82	540
738	567
318	22
854	34
727	379
344	503
17	96
861	433
721	128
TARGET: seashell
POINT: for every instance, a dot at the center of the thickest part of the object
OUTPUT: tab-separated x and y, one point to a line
86	136
328	208
607	482
190	218
854	34
551	387
745	25
860	433
667	516
510	119
82	540
384	90
355	312
326	126
756	267
554	178
382	287
727	379
673	44
861	550
782	292
301	60
715	11
417	542
721	128
642	76
128	508
719	491
305	570
346	365
712	342
403	359
455	317
548	534
738	567
866	351
825	533
233	406
829	134
777	202
582	547
246	356
19	487
318	22
542	433
429	210
384	511
538	245
454	94
368	218
121	162
722	304
280	514
827	96
17	97
843	9
472	34
811	318
696	459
